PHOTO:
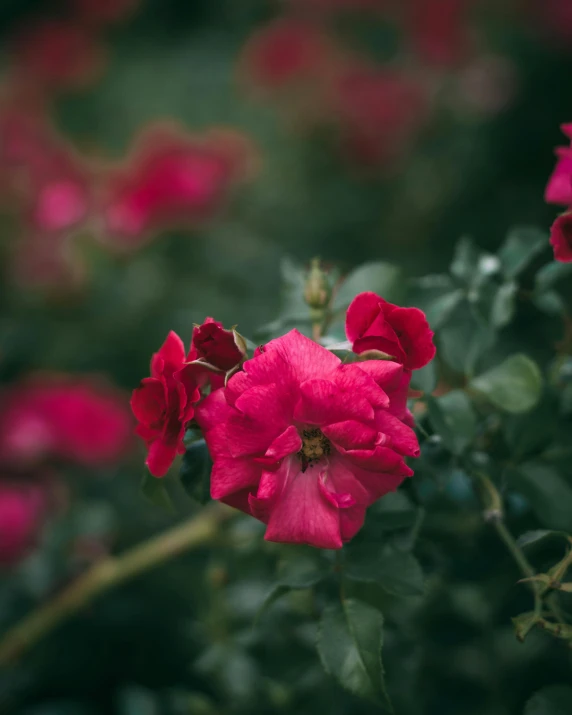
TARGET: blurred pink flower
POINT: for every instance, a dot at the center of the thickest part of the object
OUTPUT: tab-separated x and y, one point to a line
305	443
22	506
172	177
378	111
70	418
56	54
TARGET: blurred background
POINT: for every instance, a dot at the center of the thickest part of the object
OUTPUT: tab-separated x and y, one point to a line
158	159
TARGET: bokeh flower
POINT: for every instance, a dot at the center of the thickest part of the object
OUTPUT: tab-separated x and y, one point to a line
64	417
22	506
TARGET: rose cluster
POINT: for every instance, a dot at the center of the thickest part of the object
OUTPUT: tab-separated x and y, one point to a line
46	421
299	439
559	192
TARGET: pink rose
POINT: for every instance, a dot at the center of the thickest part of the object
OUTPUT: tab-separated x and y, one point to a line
164	403
561	237
402	333
63	417
172	178
305	443
22	507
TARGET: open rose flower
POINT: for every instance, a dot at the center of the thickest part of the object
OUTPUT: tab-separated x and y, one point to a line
22	507
305	443
164	403
561	237
402	333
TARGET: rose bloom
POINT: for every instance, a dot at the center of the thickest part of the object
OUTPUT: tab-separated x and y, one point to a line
561	237
305	443
65	417
22	506
164	403
559	188
172	178
377	110
402	333
438	30
57	53
286	51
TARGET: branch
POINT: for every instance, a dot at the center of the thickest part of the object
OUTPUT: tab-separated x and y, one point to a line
108	574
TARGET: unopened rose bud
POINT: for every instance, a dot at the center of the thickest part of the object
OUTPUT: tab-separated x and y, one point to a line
221	349
317	290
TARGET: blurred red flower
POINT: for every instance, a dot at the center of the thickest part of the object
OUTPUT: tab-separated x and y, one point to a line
56	53
284	52
171	178
100	12
438	30
377	110
70	418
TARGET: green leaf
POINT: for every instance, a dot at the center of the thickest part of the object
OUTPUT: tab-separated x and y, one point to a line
520	248
350	639
549	494
295	574
453	419
532	539
301	573
425	379
504	305
513	386
440	310
154	491
464	339
396	572
196	470
384	279
465	260
552	700
550	275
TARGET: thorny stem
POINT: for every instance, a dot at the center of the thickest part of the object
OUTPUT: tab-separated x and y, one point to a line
494	514
108	574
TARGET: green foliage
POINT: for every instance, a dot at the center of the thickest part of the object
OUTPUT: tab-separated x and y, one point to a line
513	386
350	639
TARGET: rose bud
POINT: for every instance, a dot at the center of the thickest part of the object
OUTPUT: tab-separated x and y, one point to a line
217	348
317	290
373	324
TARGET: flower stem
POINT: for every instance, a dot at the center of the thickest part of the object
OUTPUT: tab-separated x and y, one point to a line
108	574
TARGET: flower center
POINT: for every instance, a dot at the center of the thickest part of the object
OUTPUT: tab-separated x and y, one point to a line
314	446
